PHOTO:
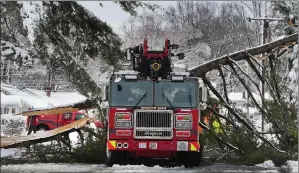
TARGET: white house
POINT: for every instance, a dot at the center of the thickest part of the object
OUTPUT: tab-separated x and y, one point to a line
14	100
10	104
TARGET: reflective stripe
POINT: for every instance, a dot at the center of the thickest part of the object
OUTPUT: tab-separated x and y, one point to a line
194	146
111	145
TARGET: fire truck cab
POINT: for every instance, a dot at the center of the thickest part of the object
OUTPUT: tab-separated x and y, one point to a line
154	115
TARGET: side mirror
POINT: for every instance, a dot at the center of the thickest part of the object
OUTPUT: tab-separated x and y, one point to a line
181	56
174	46
128	56
104	93
204	94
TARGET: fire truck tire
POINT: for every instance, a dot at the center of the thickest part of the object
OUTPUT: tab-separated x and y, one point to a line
114	157
191	159
42	127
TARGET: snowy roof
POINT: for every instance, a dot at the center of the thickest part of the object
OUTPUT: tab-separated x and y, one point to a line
37	103
37	98
12	90
57	98
10	100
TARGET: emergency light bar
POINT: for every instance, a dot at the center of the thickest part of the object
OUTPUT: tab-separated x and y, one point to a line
126	72
177	78
131	76
180	73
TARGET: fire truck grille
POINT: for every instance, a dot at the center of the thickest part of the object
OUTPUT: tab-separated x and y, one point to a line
153	124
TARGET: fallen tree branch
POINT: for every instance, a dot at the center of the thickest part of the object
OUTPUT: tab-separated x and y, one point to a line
253	58
202	69
224	83
249	127
254	100
220	139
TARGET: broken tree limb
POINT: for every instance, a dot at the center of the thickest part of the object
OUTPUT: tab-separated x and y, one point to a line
253	58
224	83
226	105
247	125
11	142
264	113
202	69
220	139
261	78
262	98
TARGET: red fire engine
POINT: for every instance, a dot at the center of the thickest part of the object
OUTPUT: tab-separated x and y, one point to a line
154	111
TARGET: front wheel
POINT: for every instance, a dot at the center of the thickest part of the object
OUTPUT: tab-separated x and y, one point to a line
114	157
42	128
191	159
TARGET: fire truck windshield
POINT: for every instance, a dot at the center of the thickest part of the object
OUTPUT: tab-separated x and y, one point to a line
136	93
131	93
179	94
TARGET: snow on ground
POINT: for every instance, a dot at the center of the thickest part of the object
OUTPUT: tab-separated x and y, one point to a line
46	167
13	152
75	139
293	165
266	164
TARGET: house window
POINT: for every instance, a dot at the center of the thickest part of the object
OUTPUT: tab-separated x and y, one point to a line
6	110
13	110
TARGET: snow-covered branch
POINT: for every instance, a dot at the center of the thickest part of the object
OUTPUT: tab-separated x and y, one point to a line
241	55
19	56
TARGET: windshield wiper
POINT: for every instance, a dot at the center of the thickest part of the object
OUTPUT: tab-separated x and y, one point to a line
143	96
168	101
190	97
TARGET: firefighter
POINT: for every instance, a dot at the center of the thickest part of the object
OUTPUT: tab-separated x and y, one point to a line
216	126
206	123
32	123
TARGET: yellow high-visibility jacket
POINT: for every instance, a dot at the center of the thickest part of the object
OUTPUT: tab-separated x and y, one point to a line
216	127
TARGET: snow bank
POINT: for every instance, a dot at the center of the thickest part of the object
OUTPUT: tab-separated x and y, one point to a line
11	152
13	125
266	164
293	165
75	139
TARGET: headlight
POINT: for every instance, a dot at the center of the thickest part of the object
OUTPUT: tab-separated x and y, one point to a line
183	121
123	116
183	117
123	124
123	119
183	124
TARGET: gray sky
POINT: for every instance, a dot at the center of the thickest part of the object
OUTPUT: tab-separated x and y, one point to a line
112	12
